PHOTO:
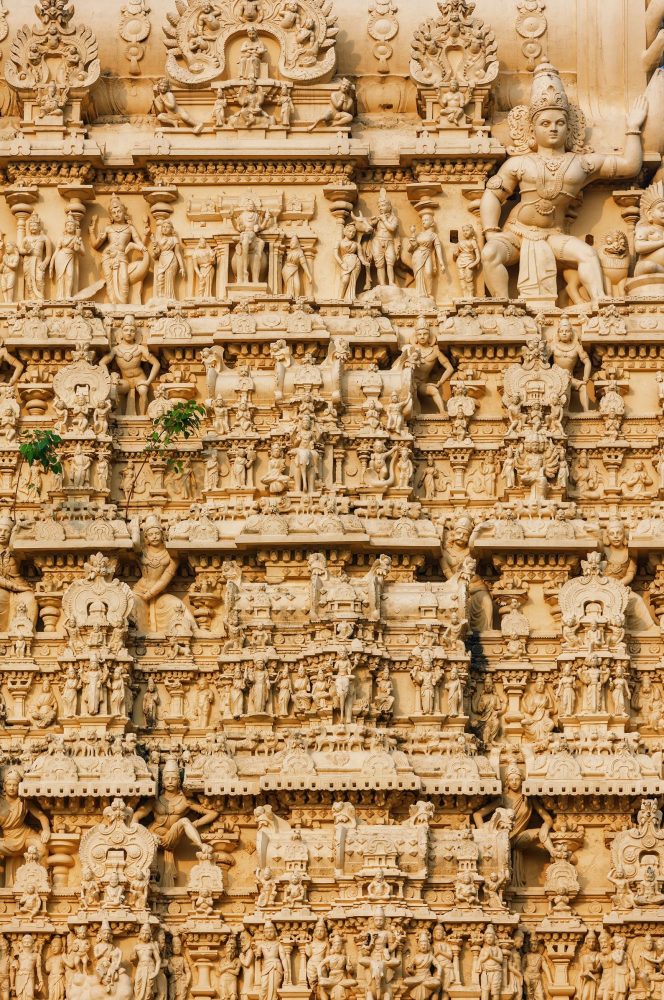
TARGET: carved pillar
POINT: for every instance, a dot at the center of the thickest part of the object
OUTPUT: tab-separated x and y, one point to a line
76	196
514	684
203	947
161	201
560	949
459	459
63	847
21	201
612	459
629	203
342	198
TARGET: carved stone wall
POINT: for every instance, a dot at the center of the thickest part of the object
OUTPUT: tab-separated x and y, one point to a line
331	500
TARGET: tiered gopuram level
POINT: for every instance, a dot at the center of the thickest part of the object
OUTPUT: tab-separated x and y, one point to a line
331	500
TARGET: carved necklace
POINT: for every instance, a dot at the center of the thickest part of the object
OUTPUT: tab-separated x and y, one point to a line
549	184
559	348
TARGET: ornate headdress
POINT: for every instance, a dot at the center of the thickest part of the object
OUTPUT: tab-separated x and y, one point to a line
117	202
152	521
171	767
547	92
651	197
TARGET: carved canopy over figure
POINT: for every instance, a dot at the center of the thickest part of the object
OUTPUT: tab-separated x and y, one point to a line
550	167
197	35
454	46
53	52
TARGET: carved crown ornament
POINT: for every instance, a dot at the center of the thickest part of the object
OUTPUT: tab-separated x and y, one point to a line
53	65
197	35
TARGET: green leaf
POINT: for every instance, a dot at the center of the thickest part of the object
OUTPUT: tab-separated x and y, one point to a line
40	447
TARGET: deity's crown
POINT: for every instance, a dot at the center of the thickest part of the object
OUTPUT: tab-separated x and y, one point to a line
651	197
171	767
547	91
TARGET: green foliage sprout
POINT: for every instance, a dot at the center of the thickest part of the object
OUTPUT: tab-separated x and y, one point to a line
38	447
180	422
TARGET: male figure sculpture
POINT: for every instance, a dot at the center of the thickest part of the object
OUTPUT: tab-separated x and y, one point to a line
550	180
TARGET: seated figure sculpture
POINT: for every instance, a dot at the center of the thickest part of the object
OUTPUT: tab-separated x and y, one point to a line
649	232
129	358
153	608
550	170
14	589
170	822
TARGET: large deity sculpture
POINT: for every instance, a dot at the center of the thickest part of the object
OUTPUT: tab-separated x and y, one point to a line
248	258
550	169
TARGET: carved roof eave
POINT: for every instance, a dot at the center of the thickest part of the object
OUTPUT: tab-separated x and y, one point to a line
343	782
71	544
424	162
39	151
489	543
91	788
578	788
358	154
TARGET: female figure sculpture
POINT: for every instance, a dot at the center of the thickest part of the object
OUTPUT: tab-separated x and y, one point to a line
295	265
166	249
64	262
351	259
148	963
154	608
427	255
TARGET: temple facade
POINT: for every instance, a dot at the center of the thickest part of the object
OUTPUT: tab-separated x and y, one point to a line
331	500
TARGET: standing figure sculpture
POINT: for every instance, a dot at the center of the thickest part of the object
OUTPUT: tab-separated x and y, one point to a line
385	242
148	964
36	249
490	966
166	249
10	258
25	971
274	964
248	258
64	262
295	266
204	260
427	254
122	240
351	258
468	258
550	179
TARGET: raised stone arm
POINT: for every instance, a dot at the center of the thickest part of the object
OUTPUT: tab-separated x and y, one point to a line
631	160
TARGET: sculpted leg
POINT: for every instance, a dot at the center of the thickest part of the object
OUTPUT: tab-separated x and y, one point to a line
495	257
